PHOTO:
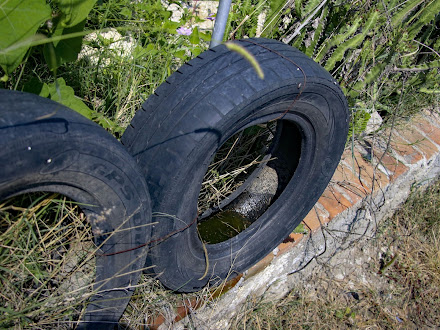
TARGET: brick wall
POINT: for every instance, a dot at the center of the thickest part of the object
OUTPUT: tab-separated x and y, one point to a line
374	177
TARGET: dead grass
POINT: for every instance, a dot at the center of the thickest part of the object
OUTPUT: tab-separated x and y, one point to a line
400	289
233	163
153	305
45	264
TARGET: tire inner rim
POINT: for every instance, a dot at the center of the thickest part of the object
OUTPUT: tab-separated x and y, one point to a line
248	173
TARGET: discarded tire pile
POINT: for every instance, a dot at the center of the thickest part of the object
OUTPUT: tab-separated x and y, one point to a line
166	153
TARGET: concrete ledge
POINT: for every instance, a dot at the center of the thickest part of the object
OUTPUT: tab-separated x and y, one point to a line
370	183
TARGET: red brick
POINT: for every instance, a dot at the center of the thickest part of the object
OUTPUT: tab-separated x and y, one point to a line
333	202
341	174
368	173
418	140
311	220
363	175
321	212
432	116
405	150
347	154
259	266
293	238
352	195
430	130
395	167
347	180
223	288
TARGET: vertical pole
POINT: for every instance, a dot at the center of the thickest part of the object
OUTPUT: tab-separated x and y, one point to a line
220	22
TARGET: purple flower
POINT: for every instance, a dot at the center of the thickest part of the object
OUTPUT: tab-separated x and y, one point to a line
211	17
184	31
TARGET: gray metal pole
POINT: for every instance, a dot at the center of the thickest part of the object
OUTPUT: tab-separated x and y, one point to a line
220	22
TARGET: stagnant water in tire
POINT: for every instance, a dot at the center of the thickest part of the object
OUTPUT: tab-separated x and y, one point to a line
238	186
47	257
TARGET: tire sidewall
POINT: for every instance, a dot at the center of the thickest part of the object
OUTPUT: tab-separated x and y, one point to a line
318	124
46	147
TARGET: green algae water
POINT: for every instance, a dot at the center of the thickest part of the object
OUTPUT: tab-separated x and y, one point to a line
222	226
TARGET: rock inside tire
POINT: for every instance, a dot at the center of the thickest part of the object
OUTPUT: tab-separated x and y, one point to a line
176	134
47	147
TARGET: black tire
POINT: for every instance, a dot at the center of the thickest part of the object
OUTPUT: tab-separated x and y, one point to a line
179	129
45	146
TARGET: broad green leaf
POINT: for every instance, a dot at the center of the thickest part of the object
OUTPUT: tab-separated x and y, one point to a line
19	21
44	90
75	11
180	54
126	12
205	36
170	26
141	52
35	86
196	51
194	38
65	95
66	50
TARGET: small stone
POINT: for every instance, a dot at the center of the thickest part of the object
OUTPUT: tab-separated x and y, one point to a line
374	122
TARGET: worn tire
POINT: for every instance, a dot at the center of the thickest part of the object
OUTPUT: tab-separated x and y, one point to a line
179	129
45	146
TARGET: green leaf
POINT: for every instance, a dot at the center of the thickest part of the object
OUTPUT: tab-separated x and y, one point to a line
65	95
140	52
199	20
170	26
339	52
400	16
300	229
194	38
196	51
35	86
298	8
429	91
205	36
19	21
426	15
126	12
44	92
66	50
180	54
105	122
74	11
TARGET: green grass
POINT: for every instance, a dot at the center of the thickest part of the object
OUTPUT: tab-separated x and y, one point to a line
109	82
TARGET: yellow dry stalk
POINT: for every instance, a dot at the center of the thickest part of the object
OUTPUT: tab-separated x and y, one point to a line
248	56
